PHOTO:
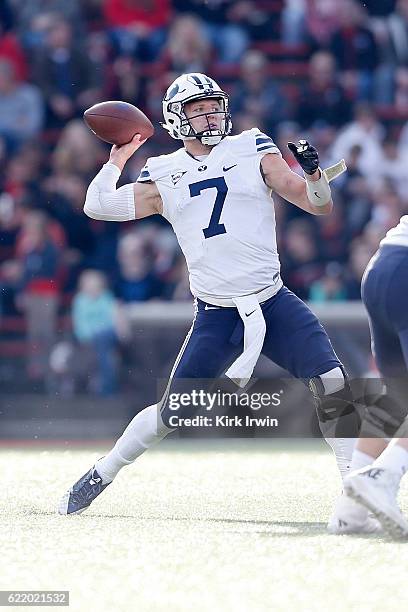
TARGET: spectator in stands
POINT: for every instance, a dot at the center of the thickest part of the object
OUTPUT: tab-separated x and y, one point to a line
225	24
321	21
387	208
138	27
391	33
293	22
333	107
136	280
288	131
355	49
32	18
360	255
65	74
10	49
39	258
127	82
330	287
94	313
188	48
21	108
64	197
394	167
78	151
332	233
246	121
355	194
366	132
23	176
258	95
302	264
397	28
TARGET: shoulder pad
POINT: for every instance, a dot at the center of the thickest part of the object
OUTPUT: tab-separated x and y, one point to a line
263	142
155	168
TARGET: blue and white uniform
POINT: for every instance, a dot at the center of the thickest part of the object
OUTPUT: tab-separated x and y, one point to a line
223	215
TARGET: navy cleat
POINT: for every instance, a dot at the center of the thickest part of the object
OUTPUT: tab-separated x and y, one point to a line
81	495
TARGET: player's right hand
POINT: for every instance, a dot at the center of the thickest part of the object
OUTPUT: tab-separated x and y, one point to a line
120	154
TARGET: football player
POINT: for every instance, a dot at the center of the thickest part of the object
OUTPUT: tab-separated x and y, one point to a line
374	482
216	193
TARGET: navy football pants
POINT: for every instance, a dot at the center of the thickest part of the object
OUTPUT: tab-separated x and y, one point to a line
385	295
294	340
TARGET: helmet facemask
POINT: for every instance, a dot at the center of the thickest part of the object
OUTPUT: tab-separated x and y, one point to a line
210	135
193	88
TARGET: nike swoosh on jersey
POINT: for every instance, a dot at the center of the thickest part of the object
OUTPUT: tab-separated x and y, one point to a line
317	195
248	314
225	169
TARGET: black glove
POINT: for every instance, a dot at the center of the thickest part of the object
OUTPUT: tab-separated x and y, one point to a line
306	155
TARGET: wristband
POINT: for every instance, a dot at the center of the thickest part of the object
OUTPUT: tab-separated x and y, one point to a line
319	192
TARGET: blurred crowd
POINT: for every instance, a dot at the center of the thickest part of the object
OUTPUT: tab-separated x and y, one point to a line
333	72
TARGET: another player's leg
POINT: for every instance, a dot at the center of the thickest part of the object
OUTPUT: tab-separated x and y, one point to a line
376	487
206	351
384	298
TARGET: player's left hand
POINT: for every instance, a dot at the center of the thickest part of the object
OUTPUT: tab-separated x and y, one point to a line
306	155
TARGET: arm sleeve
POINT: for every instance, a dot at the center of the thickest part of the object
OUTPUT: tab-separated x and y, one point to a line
106	203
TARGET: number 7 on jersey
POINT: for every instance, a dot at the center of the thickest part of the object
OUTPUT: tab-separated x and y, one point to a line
215	228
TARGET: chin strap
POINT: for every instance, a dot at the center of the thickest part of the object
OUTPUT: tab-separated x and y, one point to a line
209	138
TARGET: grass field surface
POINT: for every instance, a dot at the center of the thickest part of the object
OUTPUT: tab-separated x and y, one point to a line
195	526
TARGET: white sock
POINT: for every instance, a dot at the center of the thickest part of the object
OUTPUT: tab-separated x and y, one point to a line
360	460
146	429
393	458
109	466
343	450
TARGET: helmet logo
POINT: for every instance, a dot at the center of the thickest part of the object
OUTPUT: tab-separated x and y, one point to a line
174	90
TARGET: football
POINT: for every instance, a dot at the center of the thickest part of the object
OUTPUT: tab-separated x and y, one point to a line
117	122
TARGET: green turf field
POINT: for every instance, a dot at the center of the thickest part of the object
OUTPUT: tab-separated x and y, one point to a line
195	526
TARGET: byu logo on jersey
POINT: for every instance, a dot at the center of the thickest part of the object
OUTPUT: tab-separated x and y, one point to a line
177	176
202	168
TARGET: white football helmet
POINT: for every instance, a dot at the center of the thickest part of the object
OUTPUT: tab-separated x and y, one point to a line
186	88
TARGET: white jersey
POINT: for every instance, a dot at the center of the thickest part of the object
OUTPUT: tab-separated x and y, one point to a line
222	213
398	235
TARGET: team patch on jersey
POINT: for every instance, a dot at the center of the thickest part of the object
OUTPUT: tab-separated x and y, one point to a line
264	142
176	176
